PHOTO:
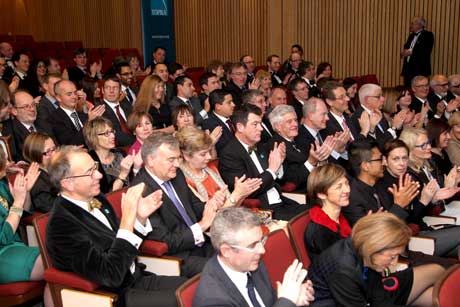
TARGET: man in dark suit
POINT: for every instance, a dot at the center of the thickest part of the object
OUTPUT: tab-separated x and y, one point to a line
237	277
84	235
183	218
184	88
21	71
222	109
273	66
237	84
208	83
24	121
48	104
161	70
417	51
66	122
307	71
441	99
454	86
117	112
80	70
125	74
300	93
257	98
250	66
245	156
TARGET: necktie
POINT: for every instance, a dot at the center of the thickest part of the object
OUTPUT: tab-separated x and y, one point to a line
31	129
122	121
379	204
251	291
172	196
129	96
76	121
230	125
252	149
319	138
345	127
56	105
94	203
187	102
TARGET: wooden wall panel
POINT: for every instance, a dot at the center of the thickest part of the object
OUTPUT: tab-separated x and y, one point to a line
356	36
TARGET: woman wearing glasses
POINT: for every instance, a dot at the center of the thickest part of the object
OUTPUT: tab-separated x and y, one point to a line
40	148
114	167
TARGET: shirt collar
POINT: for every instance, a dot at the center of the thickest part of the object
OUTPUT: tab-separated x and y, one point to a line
157	180
80	203
224	119
366	109
112	104
240	279
68	112
339	118
312	131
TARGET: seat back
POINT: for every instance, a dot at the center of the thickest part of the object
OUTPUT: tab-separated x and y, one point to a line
186	292
279	255
296	227
114	199
446	289
40	224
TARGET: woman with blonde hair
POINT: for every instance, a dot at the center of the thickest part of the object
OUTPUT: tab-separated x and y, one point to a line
150	99
265	80
361	270
453	147
202	175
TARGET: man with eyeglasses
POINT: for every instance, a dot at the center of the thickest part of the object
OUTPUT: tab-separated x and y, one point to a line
117	112
439	99
300	93
237	277
292	69
454	86
24	122
250	66
237	84
84	235
80	70
126	75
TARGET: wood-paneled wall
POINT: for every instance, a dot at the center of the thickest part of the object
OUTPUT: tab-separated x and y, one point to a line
98	23
356	36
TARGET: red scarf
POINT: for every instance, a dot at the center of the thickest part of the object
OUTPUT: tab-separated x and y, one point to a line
320	217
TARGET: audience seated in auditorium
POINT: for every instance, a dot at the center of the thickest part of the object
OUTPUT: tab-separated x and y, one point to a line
439	134
291	70
201	173
40	148
274	67
300	92
250	65
350	272
237	277
208	83
48	103
140	125
244	155
237	84
307	71
184	88
439	98
182	220
80	70
256	97
453	147
126	76
265	82
84	235
328	186
26	80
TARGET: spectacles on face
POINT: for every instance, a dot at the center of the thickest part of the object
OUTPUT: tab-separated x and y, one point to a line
422	85
30	106
111	88
49	151
107	133
424	145
90	172
252	248
456	86
376	160
443	84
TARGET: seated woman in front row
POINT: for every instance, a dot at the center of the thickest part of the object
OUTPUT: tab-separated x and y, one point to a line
329	185
202	177
357	271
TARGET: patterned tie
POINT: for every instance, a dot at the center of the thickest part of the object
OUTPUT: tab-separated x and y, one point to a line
122	121
319	138
94	203
251	291
76	121
129	96
172	196
31	129
230	125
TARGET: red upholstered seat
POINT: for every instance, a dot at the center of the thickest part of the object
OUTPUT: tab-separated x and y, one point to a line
446	289
186	292
289	187
296	227
69	279
279	255
252	203
73	44
20	287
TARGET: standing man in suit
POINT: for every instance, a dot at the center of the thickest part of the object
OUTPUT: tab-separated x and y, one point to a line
84	235
237	277
48	104
125	74
300	91
183	218
416	52
274	66
161	70
257	98
222	109
66	122
117	112
184	87
244	155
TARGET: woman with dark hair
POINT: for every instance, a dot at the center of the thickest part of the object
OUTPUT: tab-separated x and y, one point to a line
182	116
439	134
329	185
140	124
36	74
297	48
351	86
92	90
324	70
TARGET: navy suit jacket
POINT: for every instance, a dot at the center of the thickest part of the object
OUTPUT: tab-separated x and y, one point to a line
64	129
122	138
212	122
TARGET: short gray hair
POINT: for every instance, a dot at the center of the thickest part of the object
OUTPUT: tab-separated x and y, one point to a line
249	96
230	221
277	114
417	79
366	90
453	78
59	166
310	105
153	142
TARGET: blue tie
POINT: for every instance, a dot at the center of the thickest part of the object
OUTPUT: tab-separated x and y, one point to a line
251	291
172	196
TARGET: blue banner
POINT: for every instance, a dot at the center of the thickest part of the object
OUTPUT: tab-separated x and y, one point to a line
158	28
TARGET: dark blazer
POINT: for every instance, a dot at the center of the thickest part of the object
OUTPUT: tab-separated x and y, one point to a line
123	139
44	110
293	165
64	128
236	92
43	193
212	122
76	75
217	289
170	92
20	133
419	62
267	133
168	225
275	81
30	84
333	126
297	105
416	105
196	105
6	127
433	100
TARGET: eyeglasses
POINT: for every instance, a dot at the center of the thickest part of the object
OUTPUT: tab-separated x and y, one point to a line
443	84
456	86
422	85
111	88
90	172
30	106
107	133
49	151
252	248
376	160
424	145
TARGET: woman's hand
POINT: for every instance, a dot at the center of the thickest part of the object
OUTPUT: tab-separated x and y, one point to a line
245	187
125	166
32	175
19	190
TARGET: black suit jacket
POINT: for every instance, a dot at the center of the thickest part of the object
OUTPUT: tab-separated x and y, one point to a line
167	223
419	62
196	105
7	130
79	243
235	161
236	92
43	193
123	139
267	132
170	92
297	105
212	122
44	110
30	84
76	75
64	128
20	133
333	126
433	100
217	289
275	81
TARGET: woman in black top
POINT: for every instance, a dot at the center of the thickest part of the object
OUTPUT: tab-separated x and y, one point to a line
439	135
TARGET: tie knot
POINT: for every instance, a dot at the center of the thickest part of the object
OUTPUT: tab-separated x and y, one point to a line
94	203
250	283
252	149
